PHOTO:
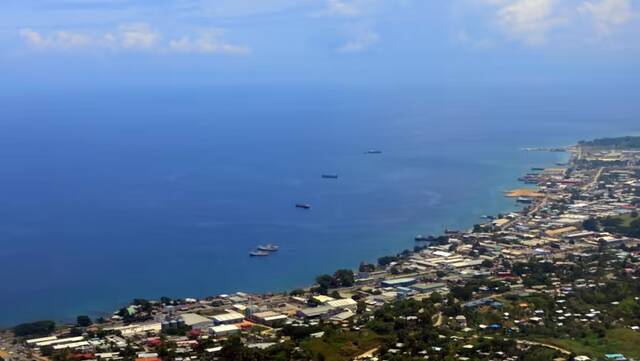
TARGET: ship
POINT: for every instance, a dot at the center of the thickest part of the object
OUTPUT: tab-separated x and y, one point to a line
303	205
537	169
258	254
423	238
268	247
524	200
330	176
373	151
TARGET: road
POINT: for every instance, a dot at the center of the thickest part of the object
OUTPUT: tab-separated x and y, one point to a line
533	343
595	180
367	354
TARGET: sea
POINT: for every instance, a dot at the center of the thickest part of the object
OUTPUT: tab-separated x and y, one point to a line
113	194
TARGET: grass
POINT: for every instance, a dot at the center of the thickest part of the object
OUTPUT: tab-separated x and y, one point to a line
619	340
343	345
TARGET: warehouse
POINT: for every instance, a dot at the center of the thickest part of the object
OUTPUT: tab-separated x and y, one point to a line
228	318
223	330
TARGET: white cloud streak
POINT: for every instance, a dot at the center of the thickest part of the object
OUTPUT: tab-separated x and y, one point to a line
528	20
608	14
207	43
361	41
56	40
133	37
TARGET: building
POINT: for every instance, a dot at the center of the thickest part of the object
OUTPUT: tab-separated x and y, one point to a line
223	330
346	303
316	312
196	321
399	282
268	318
322	298
228	318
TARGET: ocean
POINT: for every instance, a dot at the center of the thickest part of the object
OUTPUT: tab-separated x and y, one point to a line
111	195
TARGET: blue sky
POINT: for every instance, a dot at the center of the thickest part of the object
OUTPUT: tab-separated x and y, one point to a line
94	43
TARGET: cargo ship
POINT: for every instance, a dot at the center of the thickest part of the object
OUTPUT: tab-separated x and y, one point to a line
303	205
330	176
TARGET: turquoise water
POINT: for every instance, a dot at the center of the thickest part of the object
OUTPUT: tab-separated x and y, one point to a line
109	196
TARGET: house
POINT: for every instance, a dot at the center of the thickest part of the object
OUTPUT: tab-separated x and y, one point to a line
615	356
460	321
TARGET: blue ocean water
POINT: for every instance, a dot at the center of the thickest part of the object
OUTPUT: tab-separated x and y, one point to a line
107	196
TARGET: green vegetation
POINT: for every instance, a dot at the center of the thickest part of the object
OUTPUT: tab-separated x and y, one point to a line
342	278
627	225
337	345
83	321
38	328
386	260
619	340
618	143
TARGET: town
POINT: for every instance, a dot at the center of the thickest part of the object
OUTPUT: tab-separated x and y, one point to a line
557	280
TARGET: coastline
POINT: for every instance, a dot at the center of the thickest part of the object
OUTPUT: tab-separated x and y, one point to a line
464	222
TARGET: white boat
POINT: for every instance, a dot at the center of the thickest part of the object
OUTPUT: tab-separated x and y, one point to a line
268	247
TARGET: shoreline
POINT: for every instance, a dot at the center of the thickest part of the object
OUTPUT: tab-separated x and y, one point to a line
515	207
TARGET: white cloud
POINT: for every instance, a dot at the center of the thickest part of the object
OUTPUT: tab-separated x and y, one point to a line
342	8
349	8
58	39
464	37
362	40
528	20
138	36
208	42
608	14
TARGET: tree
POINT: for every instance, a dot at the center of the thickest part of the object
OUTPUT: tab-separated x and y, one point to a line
361	307
325	281
383	261
37	328
462	293
487	263
296	292
83	321
344	278
366	267
591	224
435	297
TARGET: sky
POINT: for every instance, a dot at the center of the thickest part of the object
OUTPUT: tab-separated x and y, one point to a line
149	43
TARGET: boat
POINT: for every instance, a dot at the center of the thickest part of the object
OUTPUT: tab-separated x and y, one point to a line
487	216
330	176
537	169
524	200
422	238
259	254
373	151
303	205
268	247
